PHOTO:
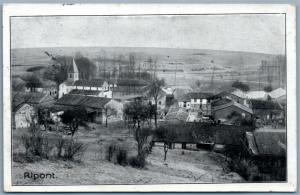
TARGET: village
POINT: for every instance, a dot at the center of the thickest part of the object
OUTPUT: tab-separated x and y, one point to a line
247	127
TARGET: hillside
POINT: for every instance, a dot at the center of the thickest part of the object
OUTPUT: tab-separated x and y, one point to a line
189	64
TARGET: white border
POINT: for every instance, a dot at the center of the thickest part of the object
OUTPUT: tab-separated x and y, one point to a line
123	9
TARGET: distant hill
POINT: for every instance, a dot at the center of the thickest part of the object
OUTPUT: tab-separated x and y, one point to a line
190	64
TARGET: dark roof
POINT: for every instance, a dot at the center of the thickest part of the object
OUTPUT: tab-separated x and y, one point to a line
265	104
101	80
268	142
131	82
184	98
222	95
31	98
194	95
89	83
199	95
220	102
86	101
84	92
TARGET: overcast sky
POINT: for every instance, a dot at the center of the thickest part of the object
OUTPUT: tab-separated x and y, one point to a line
254	33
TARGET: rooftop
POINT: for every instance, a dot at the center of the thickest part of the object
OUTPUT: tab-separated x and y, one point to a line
87	101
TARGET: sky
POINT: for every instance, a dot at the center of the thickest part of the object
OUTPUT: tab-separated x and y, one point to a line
261	33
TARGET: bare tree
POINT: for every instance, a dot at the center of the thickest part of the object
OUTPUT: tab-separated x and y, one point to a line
32	82
109	111
57	73
154	91
73	118
168	136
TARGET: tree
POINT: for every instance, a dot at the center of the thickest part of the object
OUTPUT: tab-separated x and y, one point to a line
268	88
168	136
17	85
73	118
57	73
43	117
154	91
32	82
241	86
138	112
109	111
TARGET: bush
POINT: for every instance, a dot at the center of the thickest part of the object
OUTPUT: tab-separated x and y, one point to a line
73	149
138	161
121	156
110	151
117	154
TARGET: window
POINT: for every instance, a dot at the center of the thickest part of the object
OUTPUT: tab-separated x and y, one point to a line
159	102
70	76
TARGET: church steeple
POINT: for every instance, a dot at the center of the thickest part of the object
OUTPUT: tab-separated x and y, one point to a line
73	73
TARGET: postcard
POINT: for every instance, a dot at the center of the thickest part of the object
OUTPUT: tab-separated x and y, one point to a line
149	98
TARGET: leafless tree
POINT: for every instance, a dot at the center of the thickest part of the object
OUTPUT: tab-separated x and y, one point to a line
154	91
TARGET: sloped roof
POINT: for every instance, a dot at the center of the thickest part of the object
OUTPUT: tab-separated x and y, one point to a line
131	82
177	115
84	92
88	83
239	93
86	101
265	104
31	98
72	66
199	95
257	95
268	142
193	95
277	93
233	103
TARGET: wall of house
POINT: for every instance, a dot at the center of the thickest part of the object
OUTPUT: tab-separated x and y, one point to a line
186	105
226	112
64	89
23	117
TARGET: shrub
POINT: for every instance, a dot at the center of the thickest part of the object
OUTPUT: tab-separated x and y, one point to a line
117	154
138	161
73	149
121	156
110	151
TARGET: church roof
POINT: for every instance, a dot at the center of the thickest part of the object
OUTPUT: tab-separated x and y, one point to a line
72	66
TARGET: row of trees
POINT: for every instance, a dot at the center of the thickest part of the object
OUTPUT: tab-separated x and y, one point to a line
244	87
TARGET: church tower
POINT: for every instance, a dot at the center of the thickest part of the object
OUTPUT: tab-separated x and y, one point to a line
73	73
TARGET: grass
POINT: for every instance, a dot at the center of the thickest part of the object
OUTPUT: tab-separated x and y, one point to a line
186	167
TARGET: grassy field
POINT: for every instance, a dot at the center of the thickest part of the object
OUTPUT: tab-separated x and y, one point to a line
181	166
190	64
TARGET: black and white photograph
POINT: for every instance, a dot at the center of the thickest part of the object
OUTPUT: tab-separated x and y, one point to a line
155	98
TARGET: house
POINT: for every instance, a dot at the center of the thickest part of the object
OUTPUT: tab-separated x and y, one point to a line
278	95
34	99
47	87
114	110
184	101
196	101
176	114
95	106
267	111
129	87
232	96
23	115
230	111
258	95
267	148
74	83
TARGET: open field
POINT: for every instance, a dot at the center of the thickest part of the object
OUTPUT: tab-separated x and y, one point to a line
182	166
189	64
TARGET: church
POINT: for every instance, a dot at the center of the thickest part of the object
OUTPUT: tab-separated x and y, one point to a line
77	86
